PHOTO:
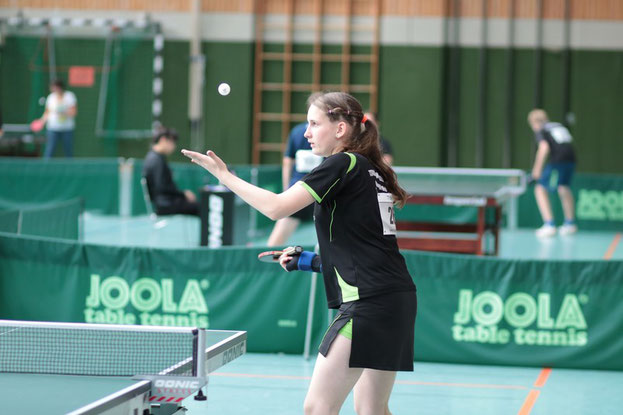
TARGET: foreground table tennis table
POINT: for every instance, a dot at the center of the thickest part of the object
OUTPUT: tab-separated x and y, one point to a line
30	348
482	189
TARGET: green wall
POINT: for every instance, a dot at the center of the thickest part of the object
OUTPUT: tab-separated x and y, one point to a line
227	120
410	103
413	108
597	100
413	111
24	79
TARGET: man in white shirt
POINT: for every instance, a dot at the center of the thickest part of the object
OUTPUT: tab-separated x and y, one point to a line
60	112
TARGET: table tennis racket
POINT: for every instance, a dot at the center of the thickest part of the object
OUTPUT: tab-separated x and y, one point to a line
36	125
273	256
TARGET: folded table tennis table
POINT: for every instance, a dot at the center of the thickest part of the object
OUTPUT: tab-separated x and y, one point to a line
482	189
72	368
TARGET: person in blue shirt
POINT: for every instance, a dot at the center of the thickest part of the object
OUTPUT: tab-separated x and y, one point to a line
298	160
386	146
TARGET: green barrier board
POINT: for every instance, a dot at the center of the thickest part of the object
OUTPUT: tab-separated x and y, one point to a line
599	197
532	313
52	219
53	280
470	309
38	181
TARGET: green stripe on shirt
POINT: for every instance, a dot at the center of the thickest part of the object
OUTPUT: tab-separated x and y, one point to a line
311	192
331	223
349	292
353	161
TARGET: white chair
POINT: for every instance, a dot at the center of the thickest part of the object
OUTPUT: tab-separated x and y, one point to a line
158	223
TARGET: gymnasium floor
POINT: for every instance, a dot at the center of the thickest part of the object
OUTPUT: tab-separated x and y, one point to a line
276	384
183	232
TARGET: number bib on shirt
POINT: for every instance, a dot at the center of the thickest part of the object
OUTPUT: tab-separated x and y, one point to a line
560	134
306	161
386	207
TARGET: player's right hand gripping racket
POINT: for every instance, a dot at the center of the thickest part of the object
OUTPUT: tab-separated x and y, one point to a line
273	256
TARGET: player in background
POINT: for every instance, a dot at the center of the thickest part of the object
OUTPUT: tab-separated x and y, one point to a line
554	146
298	160
59	115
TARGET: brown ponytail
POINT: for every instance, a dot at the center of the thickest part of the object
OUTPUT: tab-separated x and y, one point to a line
364	138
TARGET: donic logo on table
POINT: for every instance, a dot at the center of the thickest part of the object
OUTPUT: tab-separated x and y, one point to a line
188	384
520	318
147	301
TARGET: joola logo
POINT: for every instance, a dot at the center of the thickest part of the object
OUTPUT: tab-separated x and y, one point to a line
597	205
215	221
114	300
177	384
481	318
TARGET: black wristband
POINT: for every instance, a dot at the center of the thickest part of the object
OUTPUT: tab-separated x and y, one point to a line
317	264
293	264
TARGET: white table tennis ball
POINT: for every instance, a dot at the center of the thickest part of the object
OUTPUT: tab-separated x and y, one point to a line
224	89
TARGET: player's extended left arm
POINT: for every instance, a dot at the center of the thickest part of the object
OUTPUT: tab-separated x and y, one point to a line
286	172
274	206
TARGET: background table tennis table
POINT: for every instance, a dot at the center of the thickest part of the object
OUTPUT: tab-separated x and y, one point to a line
19	140
30	393
479	188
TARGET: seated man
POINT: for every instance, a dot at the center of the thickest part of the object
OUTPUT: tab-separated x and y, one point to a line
165	196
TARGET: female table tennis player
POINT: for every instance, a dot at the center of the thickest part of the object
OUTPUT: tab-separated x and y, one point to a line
365	275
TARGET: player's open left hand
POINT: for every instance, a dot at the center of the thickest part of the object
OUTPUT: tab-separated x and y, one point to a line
209	161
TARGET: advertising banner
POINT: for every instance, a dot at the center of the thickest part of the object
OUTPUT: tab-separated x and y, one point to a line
471	309
53	280
532	313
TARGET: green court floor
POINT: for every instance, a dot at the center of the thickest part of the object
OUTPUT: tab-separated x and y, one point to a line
183	232
584	245
258	384
276	385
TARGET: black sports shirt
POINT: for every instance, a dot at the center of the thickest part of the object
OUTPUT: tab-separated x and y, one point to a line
356	230
162	189
559	140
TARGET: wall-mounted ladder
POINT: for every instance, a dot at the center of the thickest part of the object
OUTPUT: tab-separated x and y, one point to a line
295	19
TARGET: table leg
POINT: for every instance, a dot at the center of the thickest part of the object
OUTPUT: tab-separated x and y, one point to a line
480	229
496	229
